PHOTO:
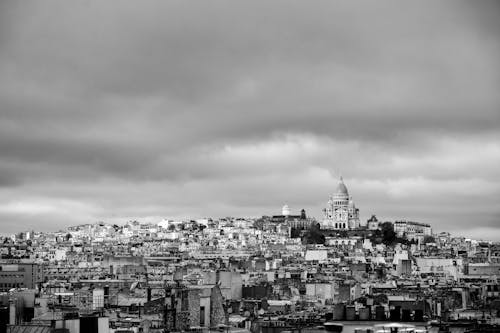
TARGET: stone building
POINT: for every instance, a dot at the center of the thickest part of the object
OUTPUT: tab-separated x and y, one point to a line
340	212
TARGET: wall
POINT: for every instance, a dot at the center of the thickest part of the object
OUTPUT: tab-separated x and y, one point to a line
451	267
318	255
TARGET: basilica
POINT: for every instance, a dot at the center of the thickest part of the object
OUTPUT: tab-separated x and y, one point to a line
340	213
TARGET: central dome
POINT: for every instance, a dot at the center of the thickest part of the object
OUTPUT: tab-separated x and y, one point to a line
341	188
285	210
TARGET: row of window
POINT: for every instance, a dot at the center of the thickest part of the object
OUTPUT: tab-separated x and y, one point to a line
11	285
11	276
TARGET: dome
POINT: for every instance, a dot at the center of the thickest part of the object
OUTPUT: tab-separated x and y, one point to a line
285	210
341	188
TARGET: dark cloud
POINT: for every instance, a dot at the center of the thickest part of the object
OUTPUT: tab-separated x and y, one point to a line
115	111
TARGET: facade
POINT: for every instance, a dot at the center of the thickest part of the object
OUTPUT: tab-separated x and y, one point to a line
412	230
485	269
340	212
343	242
293	221
195	306
453	267
373	223
20	275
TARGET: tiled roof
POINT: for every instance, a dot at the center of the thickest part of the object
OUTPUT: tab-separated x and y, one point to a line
29	329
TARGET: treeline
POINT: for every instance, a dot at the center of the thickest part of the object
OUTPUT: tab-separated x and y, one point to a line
385	234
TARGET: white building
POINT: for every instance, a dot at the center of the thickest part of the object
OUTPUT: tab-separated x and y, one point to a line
340	213
444	266
412	230
373	223
285	211
316	255
342	242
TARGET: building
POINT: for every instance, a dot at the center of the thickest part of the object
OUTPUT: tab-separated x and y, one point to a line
340	213
294	221
194	307
373	223
20	275
453	267
285	211
484	269
412	230
316	255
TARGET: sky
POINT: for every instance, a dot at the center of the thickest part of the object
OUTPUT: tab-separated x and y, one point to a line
114	111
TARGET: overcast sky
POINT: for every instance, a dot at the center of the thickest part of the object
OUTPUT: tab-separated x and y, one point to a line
119	110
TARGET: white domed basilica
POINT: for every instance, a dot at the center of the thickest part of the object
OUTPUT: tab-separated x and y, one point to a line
340	213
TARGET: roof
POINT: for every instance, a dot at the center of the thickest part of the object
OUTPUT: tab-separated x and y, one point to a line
125	300
274	302
341	188
400	298
29	329
49	316
236	319
238	330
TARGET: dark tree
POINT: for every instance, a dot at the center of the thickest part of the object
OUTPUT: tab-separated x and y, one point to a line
314	235
385	234
259	224
429	239
388	234
295	233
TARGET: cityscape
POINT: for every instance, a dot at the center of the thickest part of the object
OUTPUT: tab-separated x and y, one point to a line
251	166
276	273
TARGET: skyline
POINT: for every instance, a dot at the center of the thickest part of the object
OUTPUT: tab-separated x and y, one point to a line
178	110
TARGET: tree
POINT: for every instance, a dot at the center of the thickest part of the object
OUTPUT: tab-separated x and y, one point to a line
295	233
259	224
429	239
388	234
314	235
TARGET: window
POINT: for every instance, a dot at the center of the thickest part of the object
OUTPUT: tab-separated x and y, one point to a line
202	316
